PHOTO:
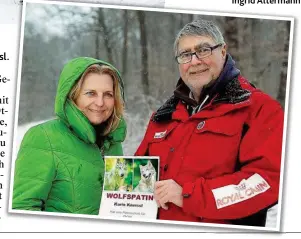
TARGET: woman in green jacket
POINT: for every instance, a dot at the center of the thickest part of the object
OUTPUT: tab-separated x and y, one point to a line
60	165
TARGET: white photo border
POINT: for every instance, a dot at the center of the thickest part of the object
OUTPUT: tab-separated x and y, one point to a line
14	151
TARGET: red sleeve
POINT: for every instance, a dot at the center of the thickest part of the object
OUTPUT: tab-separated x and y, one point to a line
256	185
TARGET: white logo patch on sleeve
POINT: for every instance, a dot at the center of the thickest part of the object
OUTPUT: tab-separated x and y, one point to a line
246	189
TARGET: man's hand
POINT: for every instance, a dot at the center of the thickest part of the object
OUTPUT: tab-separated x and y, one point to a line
168	191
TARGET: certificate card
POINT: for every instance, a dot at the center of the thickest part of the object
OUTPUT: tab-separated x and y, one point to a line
128	188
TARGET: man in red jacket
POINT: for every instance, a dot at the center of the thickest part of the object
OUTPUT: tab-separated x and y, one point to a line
218	137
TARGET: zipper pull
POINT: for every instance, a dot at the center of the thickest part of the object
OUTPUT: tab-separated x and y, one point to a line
198	109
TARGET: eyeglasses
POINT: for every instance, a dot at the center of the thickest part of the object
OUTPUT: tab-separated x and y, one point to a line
200	53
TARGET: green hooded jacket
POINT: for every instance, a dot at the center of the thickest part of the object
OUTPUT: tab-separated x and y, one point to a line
59	167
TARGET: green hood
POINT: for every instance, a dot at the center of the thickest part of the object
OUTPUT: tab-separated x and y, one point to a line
66	110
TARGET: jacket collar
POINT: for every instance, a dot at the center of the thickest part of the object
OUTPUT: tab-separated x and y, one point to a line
79	123
82	127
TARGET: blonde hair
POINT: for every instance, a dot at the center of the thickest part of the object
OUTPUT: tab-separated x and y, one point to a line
118	110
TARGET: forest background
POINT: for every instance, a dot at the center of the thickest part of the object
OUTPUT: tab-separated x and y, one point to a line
140	44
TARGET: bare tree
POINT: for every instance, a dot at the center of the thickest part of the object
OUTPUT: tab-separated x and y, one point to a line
106	36
144	54
283	73
125	42
231	34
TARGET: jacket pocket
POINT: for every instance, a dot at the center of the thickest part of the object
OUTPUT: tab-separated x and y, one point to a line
218	126
160	144
212	148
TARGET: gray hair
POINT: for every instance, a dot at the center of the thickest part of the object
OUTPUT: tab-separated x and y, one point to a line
200	27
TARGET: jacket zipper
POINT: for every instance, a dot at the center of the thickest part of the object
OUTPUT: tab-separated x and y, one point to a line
100	150
199	108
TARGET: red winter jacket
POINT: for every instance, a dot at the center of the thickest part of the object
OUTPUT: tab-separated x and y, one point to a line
201	153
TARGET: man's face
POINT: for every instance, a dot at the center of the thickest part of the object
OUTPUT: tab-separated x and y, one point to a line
199	72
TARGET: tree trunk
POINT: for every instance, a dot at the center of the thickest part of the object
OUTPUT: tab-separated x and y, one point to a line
283	74
125	43
102	24
231	34
144	55
97	51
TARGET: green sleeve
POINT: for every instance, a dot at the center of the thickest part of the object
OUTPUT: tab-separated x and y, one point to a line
34	171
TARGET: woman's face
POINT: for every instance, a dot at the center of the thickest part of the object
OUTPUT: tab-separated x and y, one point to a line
96	97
